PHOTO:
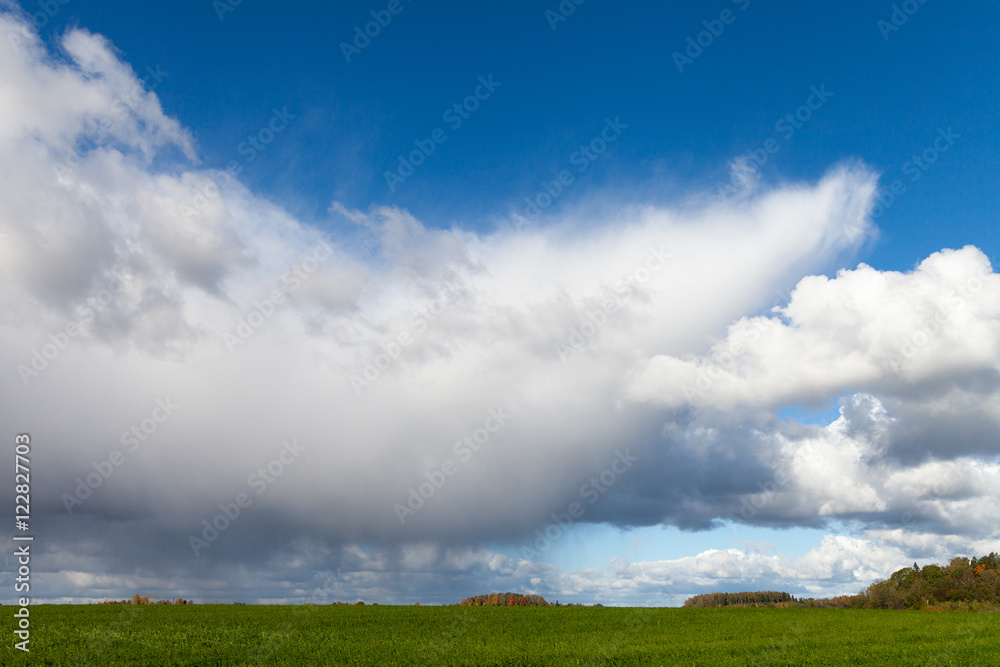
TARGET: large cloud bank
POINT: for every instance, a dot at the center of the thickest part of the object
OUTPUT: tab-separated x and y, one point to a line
381	403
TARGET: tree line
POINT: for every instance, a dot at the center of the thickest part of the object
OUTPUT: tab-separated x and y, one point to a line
504	600
144	599
963	584
744	599
966	584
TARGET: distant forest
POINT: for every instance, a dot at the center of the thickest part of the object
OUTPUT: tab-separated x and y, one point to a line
746	599
961	585
505	600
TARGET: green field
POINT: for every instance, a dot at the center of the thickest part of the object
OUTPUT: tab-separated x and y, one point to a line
382	635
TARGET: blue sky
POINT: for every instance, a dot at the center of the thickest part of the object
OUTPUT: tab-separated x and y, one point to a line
890	96
699	165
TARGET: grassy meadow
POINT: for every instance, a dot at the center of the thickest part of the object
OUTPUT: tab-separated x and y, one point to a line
206	635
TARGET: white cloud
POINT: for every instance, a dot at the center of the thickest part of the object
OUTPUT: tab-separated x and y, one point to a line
485	317
864	327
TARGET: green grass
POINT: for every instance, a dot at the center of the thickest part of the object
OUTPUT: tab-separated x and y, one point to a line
107	636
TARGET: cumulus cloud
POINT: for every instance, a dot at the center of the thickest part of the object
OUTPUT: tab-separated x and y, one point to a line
914	359
477	379
938	324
